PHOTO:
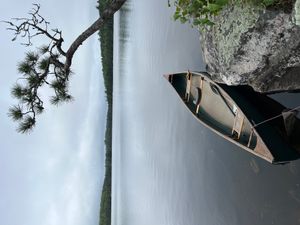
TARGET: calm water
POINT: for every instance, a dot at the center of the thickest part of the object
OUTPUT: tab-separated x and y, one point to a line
167	168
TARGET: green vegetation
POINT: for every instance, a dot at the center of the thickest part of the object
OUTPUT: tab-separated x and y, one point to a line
106	39
200	12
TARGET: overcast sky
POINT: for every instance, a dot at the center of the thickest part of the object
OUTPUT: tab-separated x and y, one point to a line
54	174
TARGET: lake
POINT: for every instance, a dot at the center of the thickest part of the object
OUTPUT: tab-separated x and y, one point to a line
167	168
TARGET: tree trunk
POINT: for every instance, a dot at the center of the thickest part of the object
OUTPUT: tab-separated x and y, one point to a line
106	14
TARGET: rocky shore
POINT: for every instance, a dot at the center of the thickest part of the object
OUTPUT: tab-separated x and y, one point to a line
255	46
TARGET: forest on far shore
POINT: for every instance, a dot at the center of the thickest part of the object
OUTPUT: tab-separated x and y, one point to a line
106	40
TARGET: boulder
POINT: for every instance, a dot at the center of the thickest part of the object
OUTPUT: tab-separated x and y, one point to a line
254	46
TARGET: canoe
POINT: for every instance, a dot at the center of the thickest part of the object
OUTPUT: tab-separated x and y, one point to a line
246	118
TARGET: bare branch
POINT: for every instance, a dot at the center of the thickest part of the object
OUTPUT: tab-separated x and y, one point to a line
106	15
33	26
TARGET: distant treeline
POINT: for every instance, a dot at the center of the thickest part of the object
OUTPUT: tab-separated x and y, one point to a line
106	39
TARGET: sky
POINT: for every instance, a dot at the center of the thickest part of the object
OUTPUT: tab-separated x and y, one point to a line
54	174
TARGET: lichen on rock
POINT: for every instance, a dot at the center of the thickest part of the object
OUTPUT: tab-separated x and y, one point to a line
252	45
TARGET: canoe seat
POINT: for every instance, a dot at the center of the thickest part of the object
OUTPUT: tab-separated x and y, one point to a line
199	96
238	124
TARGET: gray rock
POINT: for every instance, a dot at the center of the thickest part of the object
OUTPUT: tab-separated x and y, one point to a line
253	46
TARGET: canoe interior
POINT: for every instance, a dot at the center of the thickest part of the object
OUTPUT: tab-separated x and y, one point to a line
215	109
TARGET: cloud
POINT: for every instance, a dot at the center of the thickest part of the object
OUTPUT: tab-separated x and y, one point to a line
78	198
53	176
